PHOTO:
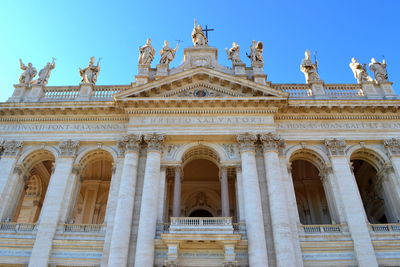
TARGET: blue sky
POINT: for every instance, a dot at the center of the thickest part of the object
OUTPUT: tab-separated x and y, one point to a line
73	31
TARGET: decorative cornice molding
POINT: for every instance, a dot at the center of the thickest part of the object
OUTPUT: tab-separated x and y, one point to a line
336	147
68	148
393	146
272	142
246	142
154	142
11	148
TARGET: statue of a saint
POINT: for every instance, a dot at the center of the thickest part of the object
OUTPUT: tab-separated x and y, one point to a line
198	36
309	69
256	50
90	73
147	53
379	70
167	53
359	71
234	53
28	74
44	74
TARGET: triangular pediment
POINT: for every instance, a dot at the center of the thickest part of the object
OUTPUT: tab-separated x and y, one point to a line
201	82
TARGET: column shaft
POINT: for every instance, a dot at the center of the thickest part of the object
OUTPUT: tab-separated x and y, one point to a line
162	196
224	193
176	209
121	233
148	210
239	195
257	248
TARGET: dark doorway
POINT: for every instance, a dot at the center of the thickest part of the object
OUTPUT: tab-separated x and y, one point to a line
200	213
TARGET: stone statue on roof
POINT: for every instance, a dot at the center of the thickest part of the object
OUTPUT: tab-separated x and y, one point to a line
309	68
167	53
198	36
44	74
256	50
379	70
147	53
28	74
359	71
91	72
234	54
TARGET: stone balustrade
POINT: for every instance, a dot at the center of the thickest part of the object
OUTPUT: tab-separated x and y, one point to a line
382	228
17	227
204	225
321	228
91	228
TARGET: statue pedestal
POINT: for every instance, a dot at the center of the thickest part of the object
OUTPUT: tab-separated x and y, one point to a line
369	89
36	92
240	69
317	88
200	56
143	75
162	71
387	89
85	91
258	73
19	92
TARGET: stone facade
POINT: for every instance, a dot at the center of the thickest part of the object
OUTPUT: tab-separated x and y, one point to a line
200	165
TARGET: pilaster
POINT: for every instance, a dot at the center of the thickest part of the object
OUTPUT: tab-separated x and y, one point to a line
52	207
353	208
257	248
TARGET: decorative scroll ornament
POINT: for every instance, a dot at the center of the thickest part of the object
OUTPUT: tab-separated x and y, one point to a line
246	141
11	148
68	148
130	142
154	141
393	146
335	146
272	142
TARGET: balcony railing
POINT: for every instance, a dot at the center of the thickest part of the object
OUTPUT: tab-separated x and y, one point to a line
321	228
205	225
382	228
84	228
17	227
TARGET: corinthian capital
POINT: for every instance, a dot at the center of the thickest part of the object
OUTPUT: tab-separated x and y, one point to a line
272	142
11	148
335	146
130	142
393	146
246	141
154	141
68	148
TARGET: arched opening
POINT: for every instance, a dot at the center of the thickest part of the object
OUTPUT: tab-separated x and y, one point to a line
200	213
311	201
33	190
93	188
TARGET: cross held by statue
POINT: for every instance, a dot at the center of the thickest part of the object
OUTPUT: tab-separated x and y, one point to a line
206	30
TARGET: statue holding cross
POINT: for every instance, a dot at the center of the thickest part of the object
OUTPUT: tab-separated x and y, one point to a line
198	36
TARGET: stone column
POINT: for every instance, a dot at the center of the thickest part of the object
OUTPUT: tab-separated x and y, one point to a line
239	194
224	192
11	175
257	248
176	208
69	203
162	196
353	208
119	245
148	210
393	170
52	207
282	234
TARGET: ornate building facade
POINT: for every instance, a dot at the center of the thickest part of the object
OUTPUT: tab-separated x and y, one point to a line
201	165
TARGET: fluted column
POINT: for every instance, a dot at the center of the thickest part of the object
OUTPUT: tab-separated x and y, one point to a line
119	245
56	195
224	192
353	208
148	210
282	234
176	208
11	176
257	248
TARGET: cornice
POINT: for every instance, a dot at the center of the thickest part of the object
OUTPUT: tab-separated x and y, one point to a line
77	118
185	111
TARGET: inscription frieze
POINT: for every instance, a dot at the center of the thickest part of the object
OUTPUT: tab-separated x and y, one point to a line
60	127
339	125
199	120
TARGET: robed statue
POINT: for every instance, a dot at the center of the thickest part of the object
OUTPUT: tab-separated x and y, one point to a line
234	53
359	71
28	74
256	51
309	68
198	36
44	74
146	53
379	70
91	72
167	53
